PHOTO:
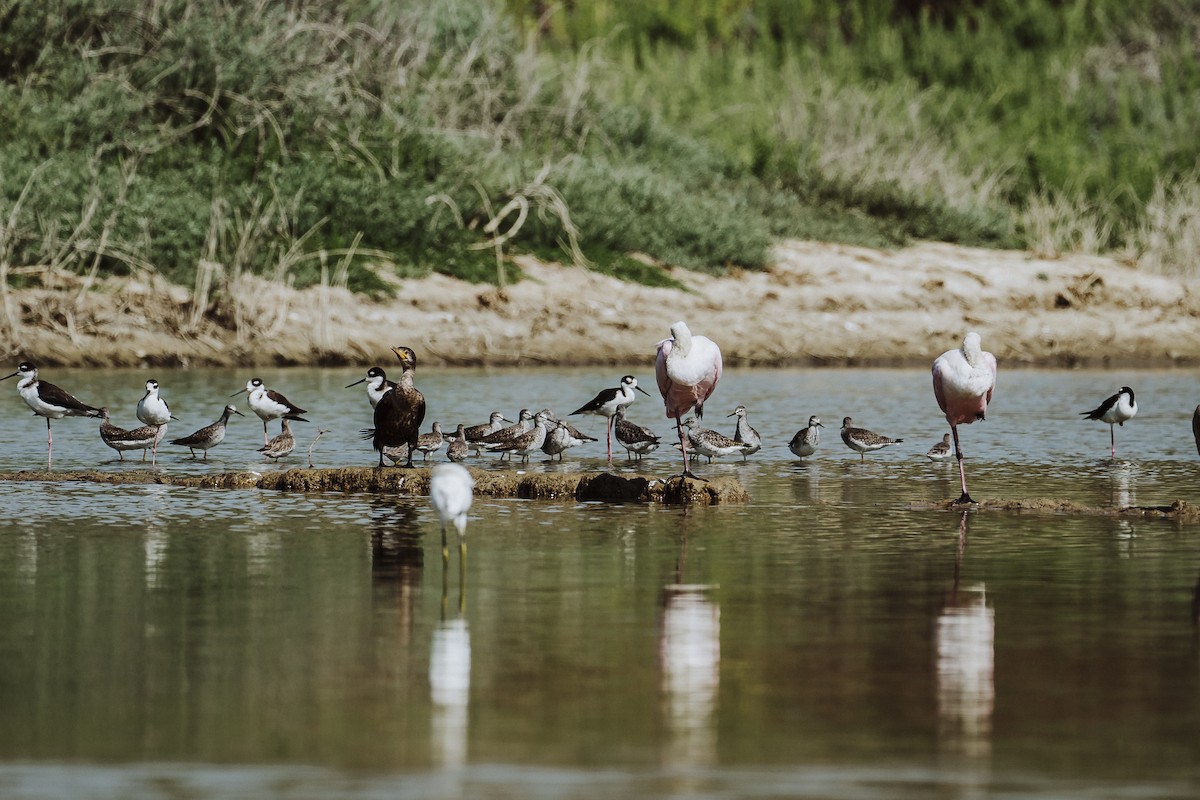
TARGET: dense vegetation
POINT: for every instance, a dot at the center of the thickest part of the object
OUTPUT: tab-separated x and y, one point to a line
323	140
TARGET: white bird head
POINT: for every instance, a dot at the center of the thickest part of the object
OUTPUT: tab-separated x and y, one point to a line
682	335
972	348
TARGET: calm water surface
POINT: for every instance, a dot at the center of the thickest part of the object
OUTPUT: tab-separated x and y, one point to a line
822	641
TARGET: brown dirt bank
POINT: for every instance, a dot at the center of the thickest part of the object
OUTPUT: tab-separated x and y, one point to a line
817	304
415	482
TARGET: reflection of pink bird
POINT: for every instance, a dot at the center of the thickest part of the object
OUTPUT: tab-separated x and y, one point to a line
963	382
687	368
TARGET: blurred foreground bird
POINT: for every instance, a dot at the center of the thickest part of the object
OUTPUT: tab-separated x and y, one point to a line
451	490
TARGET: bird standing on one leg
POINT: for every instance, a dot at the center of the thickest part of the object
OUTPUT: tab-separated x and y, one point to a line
687	368
1115	410
963	382
47	400
399	413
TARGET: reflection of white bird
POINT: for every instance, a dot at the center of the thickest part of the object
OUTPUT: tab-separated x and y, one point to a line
687	368
966	635
450	689
690	650
451	489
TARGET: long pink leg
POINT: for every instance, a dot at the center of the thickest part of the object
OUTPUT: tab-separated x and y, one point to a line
49	443
610	427
1112	440
962	474
682	444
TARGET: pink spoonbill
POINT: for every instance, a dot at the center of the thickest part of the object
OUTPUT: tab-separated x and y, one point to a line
963	382
687	368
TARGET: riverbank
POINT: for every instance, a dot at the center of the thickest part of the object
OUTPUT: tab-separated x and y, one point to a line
816	304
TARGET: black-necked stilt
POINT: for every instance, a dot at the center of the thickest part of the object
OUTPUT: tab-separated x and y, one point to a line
377	385
152	410
807	439
710	443
1196	427
47	400
210	435
636	439
1115	410
451	489
862	440
119	439
606	403
269	404
940	451
963	382
399	414
562	435
280	445
458	449
687	368
745	434
429	443
528	442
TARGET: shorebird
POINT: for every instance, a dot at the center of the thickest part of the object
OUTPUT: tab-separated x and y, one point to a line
606	403
528	442
710	443
806	440
451	489
1115	410
474	433
458	449
744	433
862	440
377	385
523	425
269	404
399	414
941	450
47	400
210	435
562	435
153	410
280	445
963	382
121	440
1196	427
428	443
687	368
633	437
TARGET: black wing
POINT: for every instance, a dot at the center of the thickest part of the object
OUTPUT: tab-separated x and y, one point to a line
1100	410
398	419
52	395
597	402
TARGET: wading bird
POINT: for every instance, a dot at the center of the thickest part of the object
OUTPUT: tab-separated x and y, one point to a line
963	382
399	414
210	435
862	440
281	445
606	403
152	410
941	450
451	490
745	433
121	440
47	400
377	385
807	439
1115	410
687	368
269	404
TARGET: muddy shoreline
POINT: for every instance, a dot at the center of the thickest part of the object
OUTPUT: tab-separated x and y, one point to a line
816	305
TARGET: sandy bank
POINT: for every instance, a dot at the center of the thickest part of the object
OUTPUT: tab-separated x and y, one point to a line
817	304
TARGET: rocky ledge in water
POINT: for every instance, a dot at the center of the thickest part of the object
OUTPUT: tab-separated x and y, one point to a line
604	486
1179	510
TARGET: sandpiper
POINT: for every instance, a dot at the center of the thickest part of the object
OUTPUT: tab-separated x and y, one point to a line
744	433
526	443
807	439
523	425
458	449
636	439
710	443
475	433
377	385
862	440
119	439
606	403
399	414
210	435
280	445
940	451
562	435
47	400
1115	410
269	404
428	443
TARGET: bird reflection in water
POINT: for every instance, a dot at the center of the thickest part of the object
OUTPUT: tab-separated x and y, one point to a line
450	685
397	564
965	642
690	651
